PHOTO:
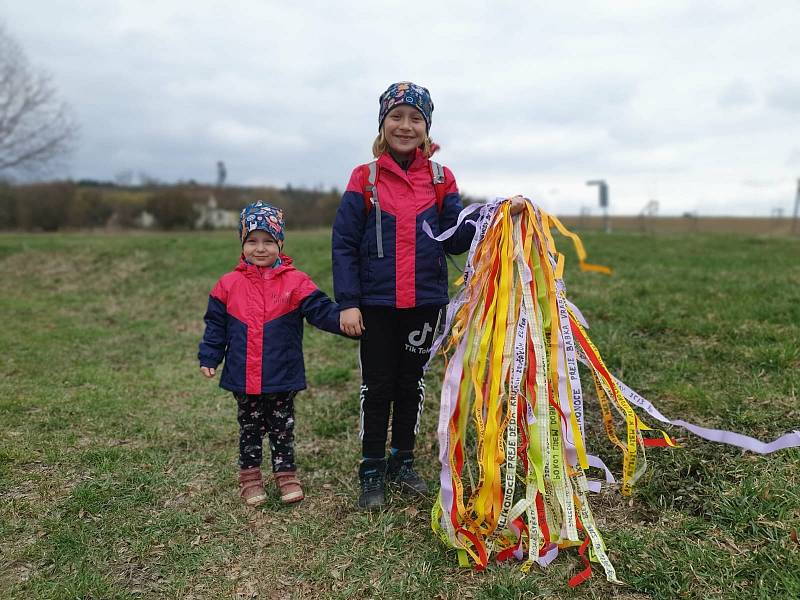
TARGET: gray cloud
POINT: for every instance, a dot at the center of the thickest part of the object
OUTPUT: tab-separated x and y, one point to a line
737	94
528	97
785	96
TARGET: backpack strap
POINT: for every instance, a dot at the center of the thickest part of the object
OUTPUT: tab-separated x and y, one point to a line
439	183
369	177
371	199
370	174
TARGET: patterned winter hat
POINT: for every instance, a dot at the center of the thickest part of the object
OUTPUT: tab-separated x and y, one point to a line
409	93
260	215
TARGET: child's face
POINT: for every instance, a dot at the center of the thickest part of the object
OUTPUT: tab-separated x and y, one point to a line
261	249
404	129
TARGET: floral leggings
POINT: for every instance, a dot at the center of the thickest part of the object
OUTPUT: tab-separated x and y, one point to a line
271	414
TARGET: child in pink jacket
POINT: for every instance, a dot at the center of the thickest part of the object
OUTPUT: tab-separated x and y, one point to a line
254	323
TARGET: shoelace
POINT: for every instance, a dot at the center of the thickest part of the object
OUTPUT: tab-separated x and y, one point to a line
371	483
406	472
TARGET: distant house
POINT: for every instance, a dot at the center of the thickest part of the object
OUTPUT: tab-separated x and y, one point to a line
145	220
213	217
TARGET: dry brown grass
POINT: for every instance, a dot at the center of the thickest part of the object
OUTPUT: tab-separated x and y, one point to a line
730	225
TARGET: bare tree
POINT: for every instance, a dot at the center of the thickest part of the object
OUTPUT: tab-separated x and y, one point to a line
36	127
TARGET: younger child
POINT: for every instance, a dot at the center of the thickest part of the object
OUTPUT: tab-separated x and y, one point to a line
254	322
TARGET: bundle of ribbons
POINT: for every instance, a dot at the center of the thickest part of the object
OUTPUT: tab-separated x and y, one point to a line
511	424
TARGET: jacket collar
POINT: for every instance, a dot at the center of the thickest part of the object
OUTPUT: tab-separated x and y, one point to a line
385	161
253	271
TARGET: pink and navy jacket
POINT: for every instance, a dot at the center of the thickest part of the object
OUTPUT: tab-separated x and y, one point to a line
254	322
413	270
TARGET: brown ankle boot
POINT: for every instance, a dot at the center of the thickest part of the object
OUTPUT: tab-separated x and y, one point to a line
251	486
289	487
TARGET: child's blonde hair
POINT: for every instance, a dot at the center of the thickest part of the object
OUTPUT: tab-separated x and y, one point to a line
381	145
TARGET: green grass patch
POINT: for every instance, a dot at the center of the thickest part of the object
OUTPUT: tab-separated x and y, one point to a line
117	460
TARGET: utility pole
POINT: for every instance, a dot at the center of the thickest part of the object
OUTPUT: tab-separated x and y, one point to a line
795	224
602	196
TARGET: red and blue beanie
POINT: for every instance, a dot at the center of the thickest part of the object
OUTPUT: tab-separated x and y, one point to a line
260	215
405	92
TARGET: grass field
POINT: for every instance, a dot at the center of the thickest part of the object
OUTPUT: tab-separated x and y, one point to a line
117	460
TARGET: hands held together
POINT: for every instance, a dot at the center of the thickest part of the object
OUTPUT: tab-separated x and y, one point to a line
351	322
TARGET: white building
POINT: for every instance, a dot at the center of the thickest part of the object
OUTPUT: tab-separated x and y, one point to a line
212	217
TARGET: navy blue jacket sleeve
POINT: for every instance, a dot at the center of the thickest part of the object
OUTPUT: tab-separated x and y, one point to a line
461	239
348	231
212	347
321	312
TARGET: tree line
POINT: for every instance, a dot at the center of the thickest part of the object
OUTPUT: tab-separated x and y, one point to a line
87	204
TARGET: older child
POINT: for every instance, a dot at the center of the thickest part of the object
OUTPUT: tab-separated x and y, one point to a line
390	278
254	322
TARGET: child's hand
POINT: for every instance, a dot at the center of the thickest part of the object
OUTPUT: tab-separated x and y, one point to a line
517	205
208	371
351	323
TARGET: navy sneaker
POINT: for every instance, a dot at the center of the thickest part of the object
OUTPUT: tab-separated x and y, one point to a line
400	471
372	476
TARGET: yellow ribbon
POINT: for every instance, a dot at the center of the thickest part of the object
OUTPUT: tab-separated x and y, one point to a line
512	302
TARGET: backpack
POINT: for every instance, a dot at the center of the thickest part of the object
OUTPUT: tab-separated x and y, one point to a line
370	174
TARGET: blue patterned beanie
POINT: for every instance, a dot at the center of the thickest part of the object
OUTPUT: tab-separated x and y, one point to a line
260	215
405	92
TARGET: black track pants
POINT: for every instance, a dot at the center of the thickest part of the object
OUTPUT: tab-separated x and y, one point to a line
394	349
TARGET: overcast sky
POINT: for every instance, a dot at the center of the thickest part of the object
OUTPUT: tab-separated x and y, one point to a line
693	104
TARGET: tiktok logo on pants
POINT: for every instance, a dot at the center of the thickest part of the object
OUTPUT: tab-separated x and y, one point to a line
417	338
